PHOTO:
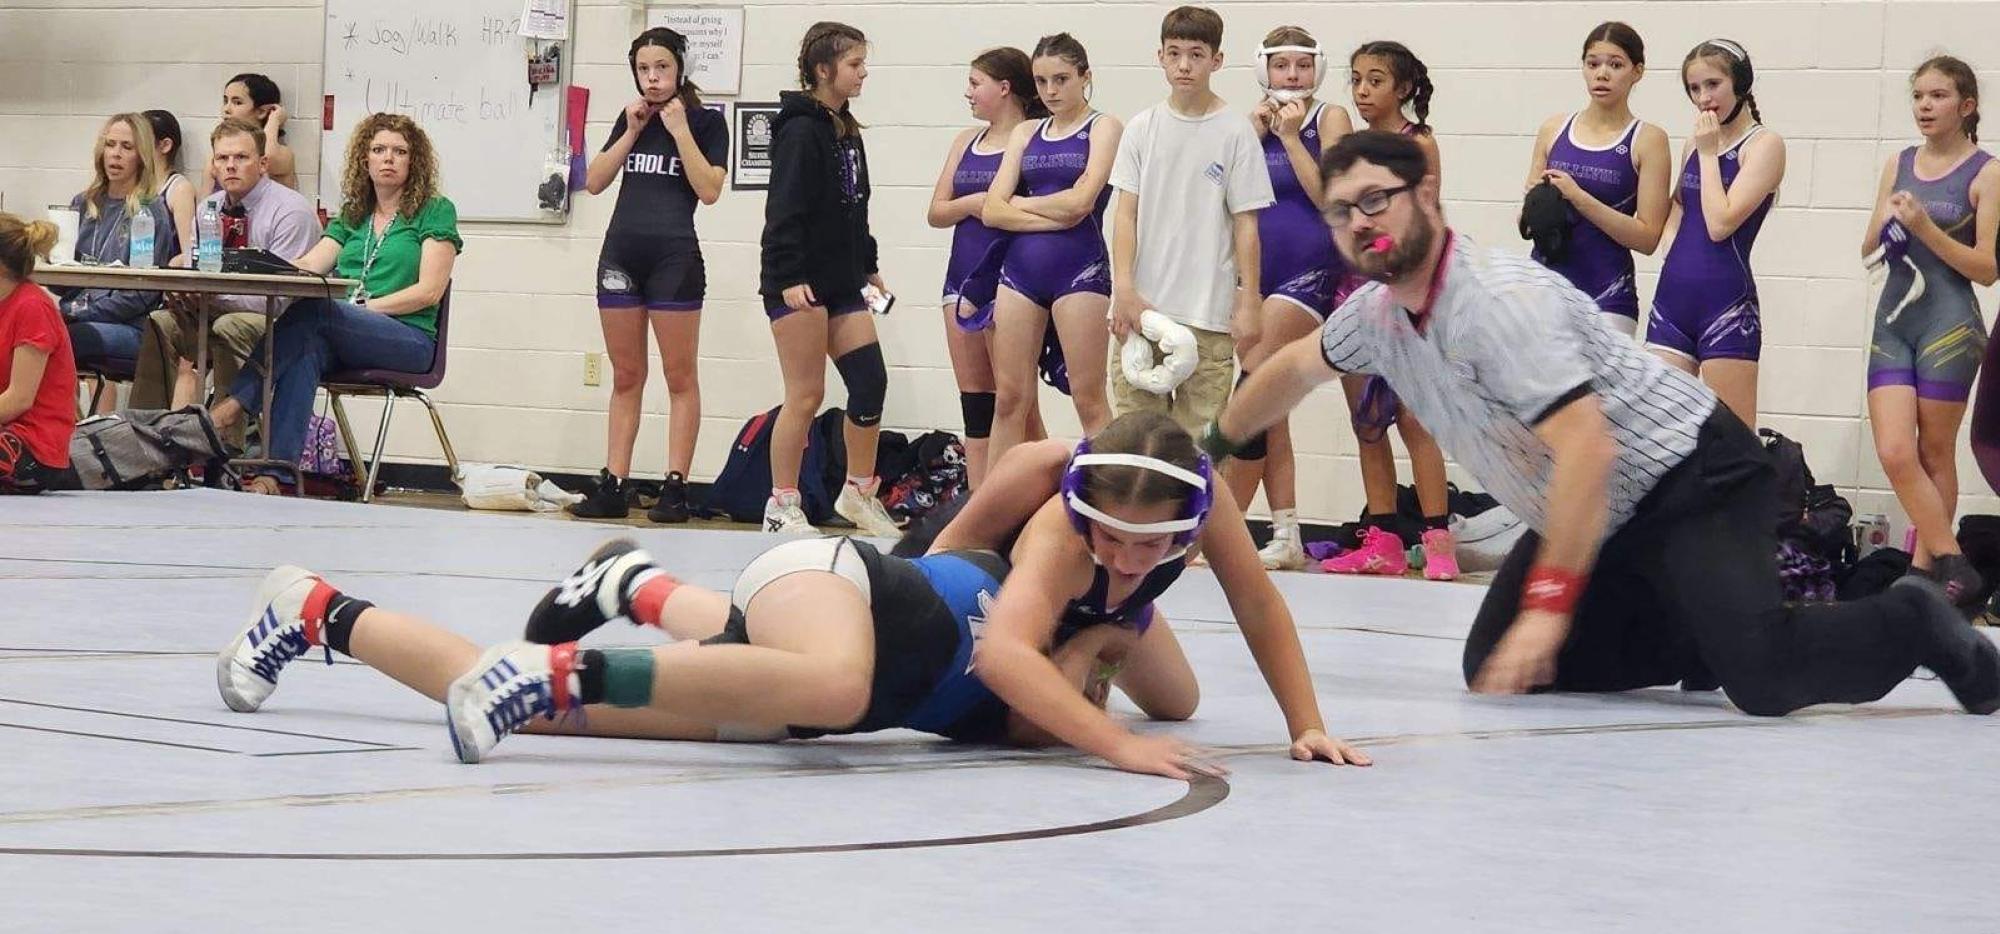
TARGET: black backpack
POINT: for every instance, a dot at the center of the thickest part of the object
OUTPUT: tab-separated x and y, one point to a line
1979	539
740	490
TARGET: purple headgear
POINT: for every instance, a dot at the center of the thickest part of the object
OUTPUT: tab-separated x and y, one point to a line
1184	528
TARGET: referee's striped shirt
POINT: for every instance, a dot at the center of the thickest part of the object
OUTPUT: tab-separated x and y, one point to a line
1507	343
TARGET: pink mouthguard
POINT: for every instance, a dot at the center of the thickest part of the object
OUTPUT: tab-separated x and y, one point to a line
1381	244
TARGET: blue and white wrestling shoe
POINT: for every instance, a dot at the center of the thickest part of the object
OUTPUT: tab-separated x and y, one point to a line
285	623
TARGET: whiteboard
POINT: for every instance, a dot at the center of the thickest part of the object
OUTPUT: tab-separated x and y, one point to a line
459	69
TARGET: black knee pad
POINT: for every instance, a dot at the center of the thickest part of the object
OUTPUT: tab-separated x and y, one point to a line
977	408
1253	448
867	379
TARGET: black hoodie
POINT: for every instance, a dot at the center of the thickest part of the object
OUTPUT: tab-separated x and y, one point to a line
816	212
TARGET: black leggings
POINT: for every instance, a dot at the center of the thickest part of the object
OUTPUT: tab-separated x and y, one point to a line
1688	589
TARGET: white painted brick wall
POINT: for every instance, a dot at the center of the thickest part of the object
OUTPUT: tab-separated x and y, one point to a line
1832	78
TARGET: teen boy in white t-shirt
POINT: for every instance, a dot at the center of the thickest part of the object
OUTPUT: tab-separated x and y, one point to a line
1190	177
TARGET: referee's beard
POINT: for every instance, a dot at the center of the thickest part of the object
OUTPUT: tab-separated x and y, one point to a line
1401	260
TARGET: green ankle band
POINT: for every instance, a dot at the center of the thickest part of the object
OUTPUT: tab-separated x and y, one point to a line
628	677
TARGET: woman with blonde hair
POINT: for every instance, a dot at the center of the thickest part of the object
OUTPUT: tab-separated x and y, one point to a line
398	235
124	182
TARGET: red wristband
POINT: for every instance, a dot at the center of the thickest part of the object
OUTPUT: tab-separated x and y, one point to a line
1551	590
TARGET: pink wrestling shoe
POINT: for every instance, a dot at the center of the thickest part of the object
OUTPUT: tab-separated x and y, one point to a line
1380	553
1440	555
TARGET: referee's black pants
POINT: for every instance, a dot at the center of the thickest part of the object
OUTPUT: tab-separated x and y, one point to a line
1688	589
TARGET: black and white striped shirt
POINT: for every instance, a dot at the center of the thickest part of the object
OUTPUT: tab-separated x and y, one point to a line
1506	343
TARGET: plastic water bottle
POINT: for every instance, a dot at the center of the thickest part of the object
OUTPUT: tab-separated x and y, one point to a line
140	232
208	236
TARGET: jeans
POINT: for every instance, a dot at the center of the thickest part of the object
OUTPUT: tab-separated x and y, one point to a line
94	335
1688	591
314	337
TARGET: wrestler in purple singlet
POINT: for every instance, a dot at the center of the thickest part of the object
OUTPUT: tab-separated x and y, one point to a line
969	237
1045	266
1706	305
1298	261
1598	265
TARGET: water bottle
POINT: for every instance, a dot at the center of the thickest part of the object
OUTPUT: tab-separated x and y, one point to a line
140	233
208	235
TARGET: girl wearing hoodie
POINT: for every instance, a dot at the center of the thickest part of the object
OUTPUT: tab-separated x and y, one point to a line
818	257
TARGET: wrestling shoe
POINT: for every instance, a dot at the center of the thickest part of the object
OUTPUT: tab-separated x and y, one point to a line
1440	555
592	595
783	515
609	498
672	509
1381	552
865	511
289	601
1962	583
511	684
1284	552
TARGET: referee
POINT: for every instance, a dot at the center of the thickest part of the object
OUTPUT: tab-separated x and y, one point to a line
1652	555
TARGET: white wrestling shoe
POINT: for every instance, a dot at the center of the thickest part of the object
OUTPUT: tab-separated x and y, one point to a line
1284	552
785	517
512	683
866	512
247	671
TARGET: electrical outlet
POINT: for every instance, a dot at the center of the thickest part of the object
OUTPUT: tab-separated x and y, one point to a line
593	369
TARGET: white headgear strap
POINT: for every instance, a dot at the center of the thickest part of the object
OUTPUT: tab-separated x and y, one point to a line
1287	95
1153	464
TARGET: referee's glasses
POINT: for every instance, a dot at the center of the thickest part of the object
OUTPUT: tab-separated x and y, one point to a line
1341	213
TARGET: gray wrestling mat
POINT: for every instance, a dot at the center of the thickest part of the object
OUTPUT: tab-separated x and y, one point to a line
132	800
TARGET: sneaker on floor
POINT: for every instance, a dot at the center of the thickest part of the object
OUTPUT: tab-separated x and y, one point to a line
1380	553
783	514
511	684
589	597
610	498
1283	552
247	671
1963	658
673	505
1440	555
866	512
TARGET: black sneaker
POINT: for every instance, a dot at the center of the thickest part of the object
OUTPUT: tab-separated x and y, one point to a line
590	597
673	504
611	498
1963	658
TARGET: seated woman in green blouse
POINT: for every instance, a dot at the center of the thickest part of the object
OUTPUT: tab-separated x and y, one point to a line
399	237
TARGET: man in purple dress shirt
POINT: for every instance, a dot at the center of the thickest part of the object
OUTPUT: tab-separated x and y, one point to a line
280	220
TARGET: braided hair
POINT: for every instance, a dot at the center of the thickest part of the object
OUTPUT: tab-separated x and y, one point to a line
1731	57
1409	73
824	45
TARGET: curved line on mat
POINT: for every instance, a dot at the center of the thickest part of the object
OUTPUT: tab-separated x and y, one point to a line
1203	792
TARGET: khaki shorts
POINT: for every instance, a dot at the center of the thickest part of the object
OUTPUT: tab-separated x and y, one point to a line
1194	403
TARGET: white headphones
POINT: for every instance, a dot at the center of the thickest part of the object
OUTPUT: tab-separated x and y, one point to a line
1288	95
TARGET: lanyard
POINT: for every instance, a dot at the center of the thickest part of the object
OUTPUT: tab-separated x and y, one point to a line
371	247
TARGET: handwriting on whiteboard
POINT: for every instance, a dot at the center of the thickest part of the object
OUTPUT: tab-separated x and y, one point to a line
425	33
419	104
